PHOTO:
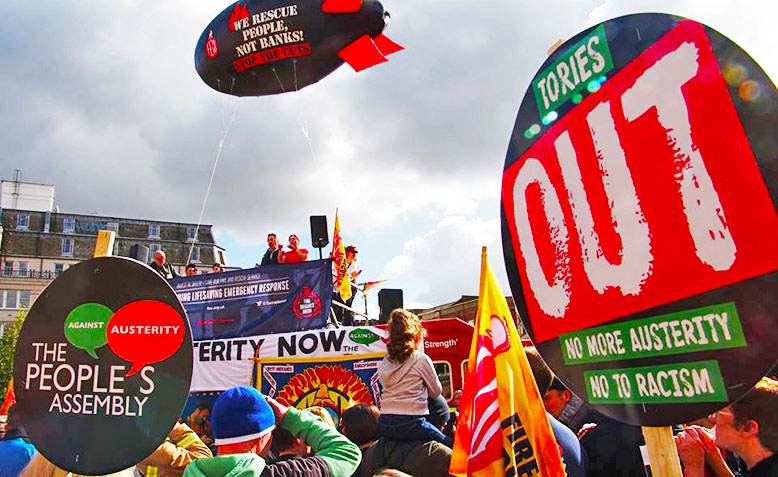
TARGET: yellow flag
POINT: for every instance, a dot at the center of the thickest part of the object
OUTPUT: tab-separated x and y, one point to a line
339	263
502	428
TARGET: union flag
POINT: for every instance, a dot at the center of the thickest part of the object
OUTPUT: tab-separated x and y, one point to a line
502	429
339	263
10	398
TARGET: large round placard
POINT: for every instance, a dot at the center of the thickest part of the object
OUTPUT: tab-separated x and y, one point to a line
103	366
639	221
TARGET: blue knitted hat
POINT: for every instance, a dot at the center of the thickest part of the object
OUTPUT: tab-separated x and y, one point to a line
241	414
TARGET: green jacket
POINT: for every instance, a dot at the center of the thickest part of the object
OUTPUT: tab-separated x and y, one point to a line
341	455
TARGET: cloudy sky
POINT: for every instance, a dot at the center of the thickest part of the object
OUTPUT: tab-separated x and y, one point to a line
102	100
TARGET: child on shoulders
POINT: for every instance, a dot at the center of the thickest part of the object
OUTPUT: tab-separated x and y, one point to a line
408	379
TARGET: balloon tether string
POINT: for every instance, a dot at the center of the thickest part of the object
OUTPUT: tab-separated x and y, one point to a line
222	139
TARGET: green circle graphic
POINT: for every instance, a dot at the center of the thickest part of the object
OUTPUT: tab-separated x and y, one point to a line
85	326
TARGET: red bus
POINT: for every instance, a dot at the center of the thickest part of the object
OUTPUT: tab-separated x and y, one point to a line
448	345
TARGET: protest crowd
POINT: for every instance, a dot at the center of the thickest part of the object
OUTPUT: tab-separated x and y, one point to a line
638	220
413	432
249	434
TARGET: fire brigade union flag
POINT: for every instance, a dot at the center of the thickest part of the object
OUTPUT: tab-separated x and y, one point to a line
502	428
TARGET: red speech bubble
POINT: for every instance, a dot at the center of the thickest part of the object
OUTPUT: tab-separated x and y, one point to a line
145	332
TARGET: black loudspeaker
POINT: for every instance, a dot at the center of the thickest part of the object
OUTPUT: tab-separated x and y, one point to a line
140	253
388	300
319	236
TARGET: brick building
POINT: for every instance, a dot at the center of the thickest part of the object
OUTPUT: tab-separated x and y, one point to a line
465	308
38	245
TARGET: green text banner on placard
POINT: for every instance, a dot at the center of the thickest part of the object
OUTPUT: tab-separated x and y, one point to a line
701	329
699	381
584	62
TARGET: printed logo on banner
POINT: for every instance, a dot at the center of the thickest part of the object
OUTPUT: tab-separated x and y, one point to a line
280	369
365	365
633	200
267	375
211	47
239	12
449	343
364	337
332	387
142	332
307	304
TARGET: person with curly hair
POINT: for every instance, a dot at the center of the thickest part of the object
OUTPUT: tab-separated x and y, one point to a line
408	379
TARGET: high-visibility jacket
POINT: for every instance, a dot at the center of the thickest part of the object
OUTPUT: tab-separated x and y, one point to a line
171	458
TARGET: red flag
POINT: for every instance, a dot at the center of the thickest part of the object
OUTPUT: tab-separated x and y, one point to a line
10	398
368	285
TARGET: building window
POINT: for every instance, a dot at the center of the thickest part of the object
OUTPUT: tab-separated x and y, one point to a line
24	299
195	254
67	247
69	225
10	298
153	249
23	221
221	259
8	269
58	269
464	369
22	269
113	226
153	230
190	233
443	369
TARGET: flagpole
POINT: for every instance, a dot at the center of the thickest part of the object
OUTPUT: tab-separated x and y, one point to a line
481	299
483	275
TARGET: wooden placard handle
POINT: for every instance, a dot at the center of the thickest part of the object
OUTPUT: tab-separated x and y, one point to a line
662	452
104	244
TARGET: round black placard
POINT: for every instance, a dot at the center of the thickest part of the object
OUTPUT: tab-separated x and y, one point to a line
639	221
103	366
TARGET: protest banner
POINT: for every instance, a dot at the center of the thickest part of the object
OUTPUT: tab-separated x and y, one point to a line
222	364
638	217
255	301
334	383
103	365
